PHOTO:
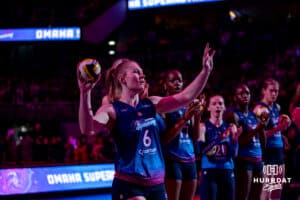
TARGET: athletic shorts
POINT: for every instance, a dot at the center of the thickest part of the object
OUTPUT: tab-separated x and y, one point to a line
274	156
122	190
247	165
181	171
217	184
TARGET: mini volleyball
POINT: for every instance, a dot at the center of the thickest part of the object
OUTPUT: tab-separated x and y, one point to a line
89	70
258	110
262	112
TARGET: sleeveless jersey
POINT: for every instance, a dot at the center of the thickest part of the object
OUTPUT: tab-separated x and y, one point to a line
181	148
252	151
139	156
274	141
221	153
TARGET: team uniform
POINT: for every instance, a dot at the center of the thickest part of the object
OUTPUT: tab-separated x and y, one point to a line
273	155
274	148
250	155
179	153
139	165
217	179
249	159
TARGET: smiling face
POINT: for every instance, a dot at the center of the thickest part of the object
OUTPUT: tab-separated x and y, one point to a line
216	106
173	83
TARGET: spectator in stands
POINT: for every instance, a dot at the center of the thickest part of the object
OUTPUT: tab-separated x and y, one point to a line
26	148
81	152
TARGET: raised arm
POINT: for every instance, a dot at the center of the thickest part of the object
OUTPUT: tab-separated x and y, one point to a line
88	122
85	114
174	102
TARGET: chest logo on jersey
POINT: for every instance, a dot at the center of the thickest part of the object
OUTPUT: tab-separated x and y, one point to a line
140	124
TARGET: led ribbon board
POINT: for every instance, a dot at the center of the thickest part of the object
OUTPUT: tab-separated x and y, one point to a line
40	34
142	4
54	179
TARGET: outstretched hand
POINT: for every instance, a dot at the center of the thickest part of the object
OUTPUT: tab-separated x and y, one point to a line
207	59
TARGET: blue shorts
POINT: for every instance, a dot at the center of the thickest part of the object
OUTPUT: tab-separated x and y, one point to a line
247	165
122	190
217	184
273	156
180	171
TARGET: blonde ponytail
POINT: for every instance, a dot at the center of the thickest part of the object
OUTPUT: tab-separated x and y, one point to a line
112	79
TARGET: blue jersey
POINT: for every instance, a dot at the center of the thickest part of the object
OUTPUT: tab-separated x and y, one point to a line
181	148
252	151
139	156
220	152
274	141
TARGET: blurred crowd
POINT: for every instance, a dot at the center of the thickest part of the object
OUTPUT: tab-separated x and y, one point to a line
50	13
33	146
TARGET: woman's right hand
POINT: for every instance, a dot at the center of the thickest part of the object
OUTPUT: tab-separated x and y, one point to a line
83	85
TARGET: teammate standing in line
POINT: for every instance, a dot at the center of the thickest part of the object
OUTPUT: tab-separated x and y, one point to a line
274	155
218	145
183	124
248	164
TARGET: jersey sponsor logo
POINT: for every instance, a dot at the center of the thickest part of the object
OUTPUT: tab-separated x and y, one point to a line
140	124
142	152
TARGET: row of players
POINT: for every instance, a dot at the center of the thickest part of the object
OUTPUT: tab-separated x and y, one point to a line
158	139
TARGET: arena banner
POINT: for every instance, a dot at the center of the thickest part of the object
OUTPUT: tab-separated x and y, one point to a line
142	4
40	34
55	179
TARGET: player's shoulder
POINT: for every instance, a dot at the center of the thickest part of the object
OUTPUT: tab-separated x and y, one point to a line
108	110
155	99
277	106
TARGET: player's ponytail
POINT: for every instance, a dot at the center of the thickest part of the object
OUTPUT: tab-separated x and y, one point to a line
113	80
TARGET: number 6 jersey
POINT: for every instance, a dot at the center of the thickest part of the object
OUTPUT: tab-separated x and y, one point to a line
139	156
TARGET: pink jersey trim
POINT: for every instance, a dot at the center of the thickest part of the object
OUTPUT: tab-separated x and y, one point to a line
139	180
